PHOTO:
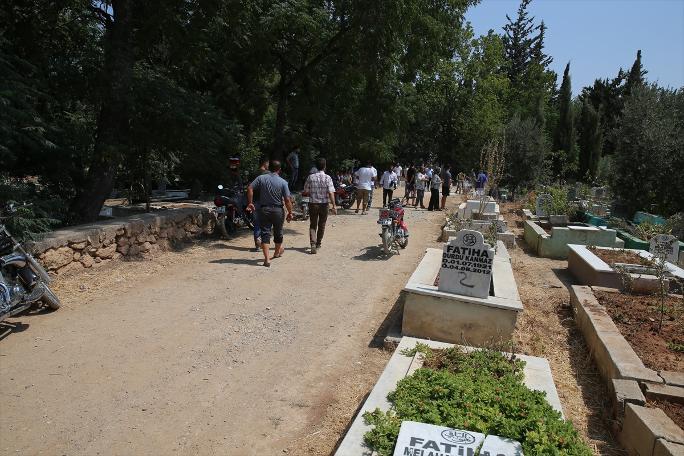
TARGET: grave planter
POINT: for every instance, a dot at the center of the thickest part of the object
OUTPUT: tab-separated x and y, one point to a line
589	269
537	377
644	431
555	245
440	315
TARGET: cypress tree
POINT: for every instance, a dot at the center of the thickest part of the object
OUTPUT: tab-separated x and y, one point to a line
564	139
590	141
636	75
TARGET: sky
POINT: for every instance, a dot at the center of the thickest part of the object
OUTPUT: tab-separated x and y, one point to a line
598	37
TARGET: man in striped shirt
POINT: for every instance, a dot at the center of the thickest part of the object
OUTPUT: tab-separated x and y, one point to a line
319	186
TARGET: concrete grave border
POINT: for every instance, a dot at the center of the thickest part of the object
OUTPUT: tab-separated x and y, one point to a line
537	377
555	245
434	314
591	270
643	431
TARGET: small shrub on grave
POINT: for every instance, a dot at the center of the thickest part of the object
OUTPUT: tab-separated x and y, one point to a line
481	391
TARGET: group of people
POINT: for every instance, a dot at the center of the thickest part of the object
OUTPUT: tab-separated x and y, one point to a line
270	201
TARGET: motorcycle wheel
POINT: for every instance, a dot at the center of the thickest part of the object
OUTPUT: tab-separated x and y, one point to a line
230	226
403	243
347	203
221	224
386	241
50	299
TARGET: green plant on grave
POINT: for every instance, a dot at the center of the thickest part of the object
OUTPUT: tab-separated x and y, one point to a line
646	230
675	225
675	346
559	204
480	391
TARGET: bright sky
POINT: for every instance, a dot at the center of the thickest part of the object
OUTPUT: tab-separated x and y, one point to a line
600	36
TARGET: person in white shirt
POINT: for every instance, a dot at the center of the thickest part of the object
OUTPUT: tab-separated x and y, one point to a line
420	179
388	181
375	180
365	181
397	170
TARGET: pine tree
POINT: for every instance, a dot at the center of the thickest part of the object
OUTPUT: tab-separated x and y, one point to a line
636	76
564	139
590	141
518	42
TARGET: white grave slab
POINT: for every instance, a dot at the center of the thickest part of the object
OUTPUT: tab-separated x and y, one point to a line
665	246
420	439
543	201
499	446
466	265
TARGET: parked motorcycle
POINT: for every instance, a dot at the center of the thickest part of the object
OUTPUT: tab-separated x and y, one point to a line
23	281
231	211
394	230
304	201
345	195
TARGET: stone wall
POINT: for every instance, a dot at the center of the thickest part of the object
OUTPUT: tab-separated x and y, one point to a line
84	246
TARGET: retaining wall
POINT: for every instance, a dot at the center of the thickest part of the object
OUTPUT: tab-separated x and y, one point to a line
84	246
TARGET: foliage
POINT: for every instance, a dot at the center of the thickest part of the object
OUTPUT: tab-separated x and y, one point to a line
526	154
650	145
27	211
558	204
646	230
481	391
590	142
564	137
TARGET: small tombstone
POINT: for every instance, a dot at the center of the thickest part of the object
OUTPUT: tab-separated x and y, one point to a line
501	226
665	246
423	439
496	446
543	202
466	265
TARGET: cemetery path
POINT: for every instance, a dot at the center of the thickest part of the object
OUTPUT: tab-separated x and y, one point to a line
202	352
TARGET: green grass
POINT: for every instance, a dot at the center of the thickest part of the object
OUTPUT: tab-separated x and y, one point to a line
482	391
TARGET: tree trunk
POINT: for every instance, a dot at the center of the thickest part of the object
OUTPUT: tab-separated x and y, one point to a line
113	125
278	146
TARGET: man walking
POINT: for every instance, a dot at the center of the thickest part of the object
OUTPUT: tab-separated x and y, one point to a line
480	183
420	181
321	192
446	185
293	162
273	195
388	181
364	186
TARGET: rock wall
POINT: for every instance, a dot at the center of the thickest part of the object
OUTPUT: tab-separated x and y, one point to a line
81	247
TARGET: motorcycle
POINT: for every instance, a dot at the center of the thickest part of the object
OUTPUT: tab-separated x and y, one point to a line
23	281
304	205
394	230
231	211
345	195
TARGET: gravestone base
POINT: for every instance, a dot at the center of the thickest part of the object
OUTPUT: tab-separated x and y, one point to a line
437	315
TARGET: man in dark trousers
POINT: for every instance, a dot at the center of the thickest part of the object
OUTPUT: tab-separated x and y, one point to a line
321	192
263	169
273	195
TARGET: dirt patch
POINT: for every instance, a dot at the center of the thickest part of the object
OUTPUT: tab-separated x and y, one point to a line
547	329
674	411
638	316
620	256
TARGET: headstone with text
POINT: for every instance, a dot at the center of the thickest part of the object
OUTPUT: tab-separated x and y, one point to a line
542	207
665	246
420	439
466	265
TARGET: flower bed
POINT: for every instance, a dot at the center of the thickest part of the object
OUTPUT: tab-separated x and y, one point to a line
623	256
637	318
481	391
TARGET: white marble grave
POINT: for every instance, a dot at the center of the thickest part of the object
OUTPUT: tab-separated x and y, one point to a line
466	265
665	246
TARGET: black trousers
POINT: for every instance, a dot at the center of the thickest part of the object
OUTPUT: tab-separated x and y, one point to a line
271	219
318	216
386	195
420	194
434	199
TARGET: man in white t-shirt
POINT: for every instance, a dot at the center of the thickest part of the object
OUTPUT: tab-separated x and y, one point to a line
397	170
365	181
375	180
420	179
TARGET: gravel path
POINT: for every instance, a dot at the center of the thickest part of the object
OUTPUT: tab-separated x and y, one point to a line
204	352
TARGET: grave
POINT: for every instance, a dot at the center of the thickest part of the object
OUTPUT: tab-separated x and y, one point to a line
555	245
537	374
591	270
542	204
476	299
487	209
469	217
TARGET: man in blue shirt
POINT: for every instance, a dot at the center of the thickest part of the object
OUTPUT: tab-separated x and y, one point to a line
480	183
274	193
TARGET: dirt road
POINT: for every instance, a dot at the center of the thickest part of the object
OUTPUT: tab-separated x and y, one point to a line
204	352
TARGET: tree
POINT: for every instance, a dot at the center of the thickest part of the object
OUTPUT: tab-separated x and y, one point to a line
590	141
636	76
649	150
564	138
526	153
